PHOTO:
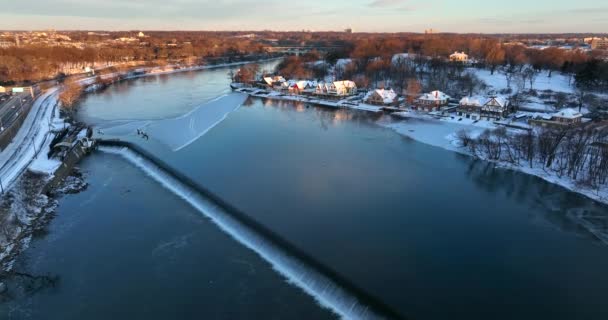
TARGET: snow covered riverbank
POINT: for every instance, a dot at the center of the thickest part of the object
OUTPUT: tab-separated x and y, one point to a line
443	134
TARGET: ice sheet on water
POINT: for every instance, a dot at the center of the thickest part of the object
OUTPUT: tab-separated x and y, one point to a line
180	132
119	128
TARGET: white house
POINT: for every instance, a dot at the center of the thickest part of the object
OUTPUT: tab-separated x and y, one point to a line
567	116
477	108
337	88
432	101
141	34
2	89
564	117
459	57
344	88
381	97
274	80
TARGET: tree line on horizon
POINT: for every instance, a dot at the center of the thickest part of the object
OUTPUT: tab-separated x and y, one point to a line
372	52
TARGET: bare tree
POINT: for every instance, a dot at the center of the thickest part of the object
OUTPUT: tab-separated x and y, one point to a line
71	92
413	90
495	57
530	75
509	72
464	137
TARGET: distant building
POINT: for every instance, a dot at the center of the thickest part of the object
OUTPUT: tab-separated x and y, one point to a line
599	44
273	81
348	30
477	108
2	89
337	88
459	57
432	101
141	34
430	31
125	39
343	88
564	117
6	44
568	116
381	97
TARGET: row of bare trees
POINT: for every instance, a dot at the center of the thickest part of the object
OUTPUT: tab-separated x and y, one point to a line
580	153
32	63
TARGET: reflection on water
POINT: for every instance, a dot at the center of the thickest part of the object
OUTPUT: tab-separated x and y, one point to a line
156	96
566	211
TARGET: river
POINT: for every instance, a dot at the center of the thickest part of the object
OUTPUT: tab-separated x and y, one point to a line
430	233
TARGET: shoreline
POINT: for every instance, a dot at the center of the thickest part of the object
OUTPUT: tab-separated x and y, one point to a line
449	142
193	68
343	103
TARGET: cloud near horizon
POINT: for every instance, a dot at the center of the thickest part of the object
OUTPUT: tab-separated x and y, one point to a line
490	16
387	3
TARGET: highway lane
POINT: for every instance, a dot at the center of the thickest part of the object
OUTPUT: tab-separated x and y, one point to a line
12	108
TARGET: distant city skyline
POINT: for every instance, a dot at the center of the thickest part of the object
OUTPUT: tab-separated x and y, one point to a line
476	16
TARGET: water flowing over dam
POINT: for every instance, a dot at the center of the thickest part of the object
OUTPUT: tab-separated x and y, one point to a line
328	288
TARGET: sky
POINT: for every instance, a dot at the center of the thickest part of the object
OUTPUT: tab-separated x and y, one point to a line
479	16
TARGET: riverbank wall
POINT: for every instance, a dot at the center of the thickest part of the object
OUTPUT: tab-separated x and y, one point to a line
72	158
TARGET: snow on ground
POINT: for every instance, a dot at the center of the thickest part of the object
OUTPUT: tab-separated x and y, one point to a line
557	82
365	107
342	63
30	140
431	131
42	163
536	105
22	210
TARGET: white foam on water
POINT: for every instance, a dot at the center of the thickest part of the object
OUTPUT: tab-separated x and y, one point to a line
324	290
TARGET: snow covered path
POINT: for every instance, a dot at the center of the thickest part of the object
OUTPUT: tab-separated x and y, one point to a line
30	139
